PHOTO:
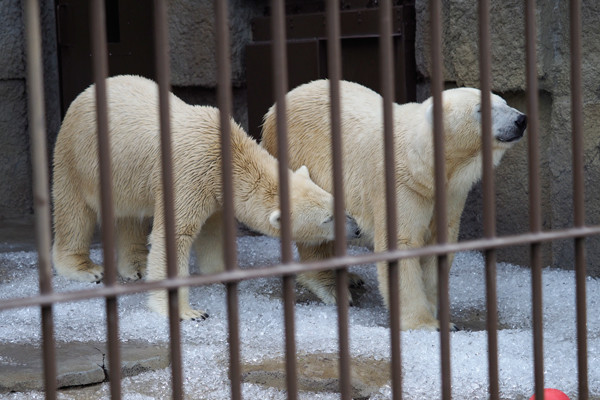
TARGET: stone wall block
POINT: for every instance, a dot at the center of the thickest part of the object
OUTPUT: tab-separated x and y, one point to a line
192	41
15	169
12	40
461	44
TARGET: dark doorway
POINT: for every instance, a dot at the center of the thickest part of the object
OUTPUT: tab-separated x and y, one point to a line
130	40
307	51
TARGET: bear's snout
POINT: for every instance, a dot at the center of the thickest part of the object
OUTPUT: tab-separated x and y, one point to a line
521	123
352	229
513	130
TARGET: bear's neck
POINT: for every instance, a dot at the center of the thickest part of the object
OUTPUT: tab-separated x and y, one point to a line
256	185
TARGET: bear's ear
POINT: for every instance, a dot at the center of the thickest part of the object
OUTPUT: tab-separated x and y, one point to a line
275	219
303	170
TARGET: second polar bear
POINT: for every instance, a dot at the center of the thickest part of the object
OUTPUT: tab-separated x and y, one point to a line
137	188
309	140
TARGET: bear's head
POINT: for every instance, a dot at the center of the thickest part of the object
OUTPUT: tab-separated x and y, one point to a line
311	211
462	120
462	128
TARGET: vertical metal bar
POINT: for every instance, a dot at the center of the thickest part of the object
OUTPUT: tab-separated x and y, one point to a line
289	300
41	192
224	102
578	194
334	53
100	72
163	76
489	192
387	92
535	220
435	9
281	88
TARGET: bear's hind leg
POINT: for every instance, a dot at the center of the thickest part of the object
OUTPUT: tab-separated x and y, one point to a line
74	225
132	252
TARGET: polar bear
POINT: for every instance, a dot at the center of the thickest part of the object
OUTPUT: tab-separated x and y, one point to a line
308	113
137	188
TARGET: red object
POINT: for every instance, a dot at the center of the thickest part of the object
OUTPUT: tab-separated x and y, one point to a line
552	394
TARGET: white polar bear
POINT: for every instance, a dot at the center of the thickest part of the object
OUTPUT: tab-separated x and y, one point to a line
362	130
137	188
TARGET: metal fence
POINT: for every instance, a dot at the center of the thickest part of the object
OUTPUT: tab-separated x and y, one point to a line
488	244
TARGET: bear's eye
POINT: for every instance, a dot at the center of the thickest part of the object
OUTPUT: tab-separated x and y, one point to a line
328	219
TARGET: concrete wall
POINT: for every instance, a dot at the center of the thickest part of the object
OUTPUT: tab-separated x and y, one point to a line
193	50
508	58
15	164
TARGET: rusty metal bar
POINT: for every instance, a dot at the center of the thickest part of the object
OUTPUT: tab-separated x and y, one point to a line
295	268
281	87
163	77
225	104
387	92
489	194
435	9
535	220
280	80
334	57
100	72
41	191
578	194
289	302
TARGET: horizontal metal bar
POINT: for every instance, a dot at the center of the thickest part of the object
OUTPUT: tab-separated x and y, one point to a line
295	268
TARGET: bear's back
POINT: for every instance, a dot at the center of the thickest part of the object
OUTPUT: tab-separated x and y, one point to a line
133	113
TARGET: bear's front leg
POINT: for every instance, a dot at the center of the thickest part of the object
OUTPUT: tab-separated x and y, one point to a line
414	307
208	245
157	270
322	283
430	281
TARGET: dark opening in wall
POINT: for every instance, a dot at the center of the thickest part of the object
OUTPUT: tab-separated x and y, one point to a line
113	31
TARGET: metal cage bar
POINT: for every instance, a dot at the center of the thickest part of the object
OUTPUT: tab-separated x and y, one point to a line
163	77
535	223
280	81
225	104
441	220
295	267
41	191
100	73
334	53
578	194
387	92
489	194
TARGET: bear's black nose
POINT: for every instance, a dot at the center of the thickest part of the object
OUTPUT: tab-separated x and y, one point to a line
521	122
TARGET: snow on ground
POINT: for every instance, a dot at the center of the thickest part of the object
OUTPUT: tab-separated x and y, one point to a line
261	332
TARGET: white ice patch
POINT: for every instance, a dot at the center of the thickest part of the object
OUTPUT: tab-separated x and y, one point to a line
204	344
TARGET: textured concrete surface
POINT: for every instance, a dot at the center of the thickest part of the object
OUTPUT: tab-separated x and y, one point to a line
192	40
78	364
15	163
